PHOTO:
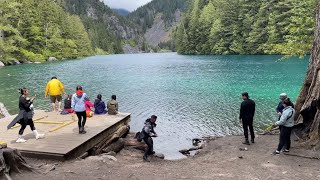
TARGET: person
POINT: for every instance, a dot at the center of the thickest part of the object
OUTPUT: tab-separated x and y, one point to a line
146	135
55	89
247	111
78	105
286	123
25	116
112	105
88	105
67	104
99	105
280	106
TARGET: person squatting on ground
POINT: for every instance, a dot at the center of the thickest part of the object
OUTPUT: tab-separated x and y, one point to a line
285	124
78	105
247	111
55	89
25	116
146	135
112	105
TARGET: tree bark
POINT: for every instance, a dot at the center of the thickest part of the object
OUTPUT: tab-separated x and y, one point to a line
115	147
133	143
307	117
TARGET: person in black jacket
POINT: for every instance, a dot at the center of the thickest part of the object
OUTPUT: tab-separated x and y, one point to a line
25	116
247	111
146	135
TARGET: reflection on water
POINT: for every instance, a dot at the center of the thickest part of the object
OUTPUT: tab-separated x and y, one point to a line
192	95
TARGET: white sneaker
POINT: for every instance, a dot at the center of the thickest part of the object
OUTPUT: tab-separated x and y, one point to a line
21	140
40	136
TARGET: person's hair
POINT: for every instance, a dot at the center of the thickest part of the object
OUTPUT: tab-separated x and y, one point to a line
154	117
114	97
287	102
78	88
54	77
245	94
22	90
69	96
99	97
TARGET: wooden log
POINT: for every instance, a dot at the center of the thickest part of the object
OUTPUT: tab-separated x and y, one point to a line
115	147
121	132
133	143
187	151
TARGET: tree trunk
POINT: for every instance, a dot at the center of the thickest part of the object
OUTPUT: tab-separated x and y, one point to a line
115	147
133	143
307	117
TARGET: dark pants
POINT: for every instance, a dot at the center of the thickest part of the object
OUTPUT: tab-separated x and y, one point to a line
24	125
285	141
246	125
149	150
81	115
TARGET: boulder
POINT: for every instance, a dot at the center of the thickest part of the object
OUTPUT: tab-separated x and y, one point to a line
1	64
3	111
52	59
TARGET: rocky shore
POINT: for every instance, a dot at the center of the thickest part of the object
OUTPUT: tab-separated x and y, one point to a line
18	62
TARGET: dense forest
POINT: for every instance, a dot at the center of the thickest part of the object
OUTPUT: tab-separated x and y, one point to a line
247	27
34	30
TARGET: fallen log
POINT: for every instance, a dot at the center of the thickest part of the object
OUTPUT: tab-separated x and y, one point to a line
115	147
120	133
133	143
187	151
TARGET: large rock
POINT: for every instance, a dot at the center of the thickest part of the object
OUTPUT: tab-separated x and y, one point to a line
3	111
1	64
52	59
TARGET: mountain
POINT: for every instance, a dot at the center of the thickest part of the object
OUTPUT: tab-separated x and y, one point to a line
121	12
107	30
247	27
158	20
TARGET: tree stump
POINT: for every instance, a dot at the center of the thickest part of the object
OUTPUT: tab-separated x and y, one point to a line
12	161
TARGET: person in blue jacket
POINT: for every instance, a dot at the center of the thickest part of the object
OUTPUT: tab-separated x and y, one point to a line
99	105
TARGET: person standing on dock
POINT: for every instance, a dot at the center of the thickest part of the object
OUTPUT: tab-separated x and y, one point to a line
78	105
247	111
25	116
112	105
55	89
146	135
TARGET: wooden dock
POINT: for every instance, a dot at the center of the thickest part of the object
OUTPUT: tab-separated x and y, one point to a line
62	143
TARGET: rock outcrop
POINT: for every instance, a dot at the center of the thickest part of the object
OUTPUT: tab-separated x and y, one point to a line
3	111
1	64
52	59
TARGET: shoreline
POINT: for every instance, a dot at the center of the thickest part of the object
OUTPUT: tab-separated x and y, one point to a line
222	158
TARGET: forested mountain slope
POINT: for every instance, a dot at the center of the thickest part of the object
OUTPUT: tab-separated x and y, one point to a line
247	27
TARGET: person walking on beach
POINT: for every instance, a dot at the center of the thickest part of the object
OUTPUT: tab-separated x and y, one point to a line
78	105
285	123
112	105
280	106
146	135
55	89
25	116
247	111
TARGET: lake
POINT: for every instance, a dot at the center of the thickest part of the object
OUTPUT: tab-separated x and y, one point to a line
192	96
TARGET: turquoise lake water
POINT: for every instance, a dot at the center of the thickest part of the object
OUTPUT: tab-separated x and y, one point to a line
193	96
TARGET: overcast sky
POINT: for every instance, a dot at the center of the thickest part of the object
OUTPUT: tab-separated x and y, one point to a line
126	4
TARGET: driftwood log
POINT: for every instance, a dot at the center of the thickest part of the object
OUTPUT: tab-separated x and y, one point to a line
133	143
120	133
12	161
115	147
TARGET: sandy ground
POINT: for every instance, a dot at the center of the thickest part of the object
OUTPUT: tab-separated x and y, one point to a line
218	160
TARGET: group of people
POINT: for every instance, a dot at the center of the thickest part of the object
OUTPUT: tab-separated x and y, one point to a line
77	103
286	113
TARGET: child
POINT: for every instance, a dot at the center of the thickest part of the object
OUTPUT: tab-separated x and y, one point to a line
88	105
67	104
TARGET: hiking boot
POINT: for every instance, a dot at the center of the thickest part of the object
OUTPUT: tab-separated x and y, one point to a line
145	158
83	131
276	153
80	130
21	140
252	141
246	142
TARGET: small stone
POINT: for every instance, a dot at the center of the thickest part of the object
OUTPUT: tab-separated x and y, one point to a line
240	157
52	59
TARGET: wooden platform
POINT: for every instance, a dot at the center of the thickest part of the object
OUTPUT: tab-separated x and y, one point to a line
65	143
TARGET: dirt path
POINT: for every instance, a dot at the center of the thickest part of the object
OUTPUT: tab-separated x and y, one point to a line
219	160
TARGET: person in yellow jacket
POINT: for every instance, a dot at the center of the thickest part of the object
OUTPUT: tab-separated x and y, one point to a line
55	89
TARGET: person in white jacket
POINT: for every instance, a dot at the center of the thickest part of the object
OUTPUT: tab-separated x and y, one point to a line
286	123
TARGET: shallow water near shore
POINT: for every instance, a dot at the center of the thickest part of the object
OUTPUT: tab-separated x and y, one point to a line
191	95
